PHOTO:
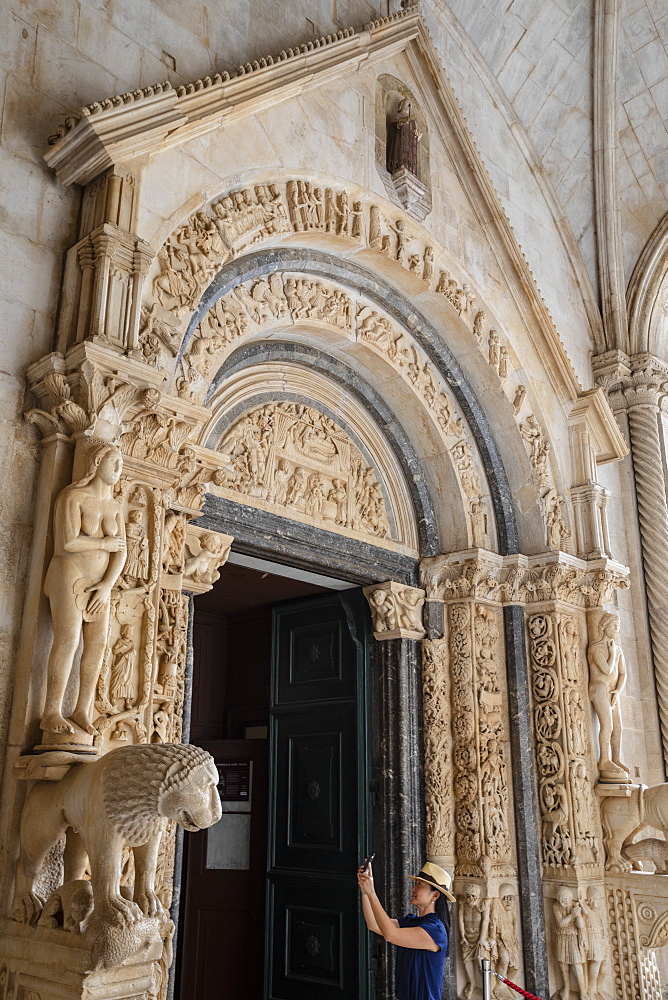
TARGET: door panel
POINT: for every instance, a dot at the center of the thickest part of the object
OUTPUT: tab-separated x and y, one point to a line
318	800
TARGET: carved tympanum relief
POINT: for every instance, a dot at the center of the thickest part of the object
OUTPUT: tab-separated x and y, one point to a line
297	459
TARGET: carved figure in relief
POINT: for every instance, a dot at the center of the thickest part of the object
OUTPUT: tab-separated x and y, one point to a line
478	321
473	933
607	677
403	136
374	227
135	571
124	664
493	344
339	495
428	264
172	542
520	393
570	942
503	932
384	611
468	476
503	363
409	605
123	798
596	944
478	515
538	448
585	821
161	725
68	906
88	557
207	553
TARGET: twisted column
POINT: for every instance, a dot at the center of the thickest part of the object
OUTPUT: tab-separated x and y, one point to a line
643	398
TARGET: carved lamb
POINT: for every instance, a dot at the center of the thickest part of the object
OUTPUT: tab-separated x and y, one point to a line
123	798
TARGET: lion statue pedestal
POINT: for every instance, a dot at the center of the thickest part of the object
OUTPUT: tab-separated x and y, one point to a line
121	800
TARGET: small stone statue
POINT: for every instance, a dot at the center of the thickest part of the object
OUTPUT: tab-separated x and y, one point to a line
607	677
88	557
596	941
402	140
503	932
473	931
570	943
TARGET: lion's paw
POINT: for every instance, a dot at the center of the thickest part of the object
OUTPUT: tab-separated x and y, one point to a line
27	908
119	910
150	905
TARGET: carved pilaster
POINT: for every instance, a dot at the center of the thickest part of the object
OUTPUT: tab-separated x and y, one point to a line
436	713
638	386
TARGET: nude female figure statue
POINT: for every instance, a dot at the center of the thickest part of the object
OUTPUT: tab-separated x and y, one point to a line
88	556
607	677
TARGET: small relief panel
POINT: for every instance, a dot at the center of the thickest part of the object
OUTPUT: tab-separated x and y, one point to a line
315	653
315	770
314	942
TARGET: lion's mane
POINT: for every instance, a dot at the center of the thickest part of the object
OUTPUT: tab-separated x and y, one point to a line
135	779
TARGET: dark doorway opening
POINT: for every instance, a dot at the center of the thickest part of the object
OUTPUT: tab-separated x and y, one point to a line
221	952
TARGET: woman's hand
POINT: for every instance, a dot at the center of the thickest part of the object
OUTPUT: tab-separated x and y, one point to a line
100	596
113	543
365	880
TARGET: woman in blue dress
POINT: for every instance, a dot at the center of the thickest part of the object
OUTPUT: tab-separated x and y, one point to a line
422	939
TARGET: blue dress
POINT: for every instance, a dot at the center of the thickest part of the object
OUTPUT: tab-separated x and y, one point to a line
419	972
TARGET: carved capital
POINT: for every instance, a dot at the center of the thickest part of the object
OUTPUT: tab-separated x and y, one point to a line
396	610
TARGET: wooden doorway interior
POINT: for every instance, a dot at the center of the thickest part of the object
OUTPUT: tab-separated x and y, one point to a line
222	939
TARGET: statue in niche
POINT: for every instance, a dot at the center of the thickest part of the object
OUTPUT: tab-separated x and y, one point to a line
607	677
570	943
135	572
121	685
88	557
403	137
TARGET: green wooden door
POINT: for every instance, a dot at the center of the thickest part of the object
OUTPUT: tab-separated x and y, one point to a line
316	946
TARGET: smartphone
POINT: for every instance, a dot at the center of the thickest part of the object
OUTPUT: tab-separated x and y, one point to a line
367	861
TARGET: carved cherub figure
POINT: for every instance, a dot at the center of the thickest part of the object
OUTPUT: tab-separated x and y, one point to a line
607	677
88	557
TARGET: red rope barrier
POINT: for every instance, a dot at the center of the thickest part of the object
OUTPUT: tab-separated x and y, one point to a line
514	986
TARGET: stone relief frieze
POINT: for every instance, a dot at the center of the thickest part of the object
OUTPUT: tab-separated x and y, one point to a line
437	747
569	820
480	741
296	458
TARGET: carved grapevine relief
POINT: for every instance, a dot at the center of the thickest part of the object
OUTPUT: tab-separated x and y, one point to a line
561	726
292	456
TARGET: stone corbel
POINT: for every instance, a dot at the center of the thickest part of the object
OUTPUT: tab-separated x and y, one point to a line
206	553
396	610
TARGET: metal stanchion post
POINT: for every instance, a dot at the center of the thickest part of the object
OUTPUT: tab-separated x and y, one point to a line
486	979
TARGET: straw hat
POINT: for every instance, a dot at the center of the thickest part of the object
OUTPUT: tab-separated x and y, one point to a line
436	877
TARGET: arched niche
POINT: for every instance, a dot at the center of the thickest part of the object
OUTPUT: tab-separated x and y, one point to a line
647	297
390	92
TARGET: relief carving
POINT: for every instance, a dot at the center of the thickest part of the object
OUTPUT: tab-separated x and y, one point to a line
561	726
473	913
291	455
205	552
538	448
396	610
437	744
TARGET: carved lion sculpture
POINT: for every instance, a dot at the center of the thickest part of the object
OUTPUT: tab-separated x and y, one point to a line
624	817
649	850
123	798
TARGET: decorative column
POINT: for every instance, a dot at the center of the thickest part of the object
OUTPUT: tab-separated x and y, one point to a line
562	596
398	792
467	736
637	386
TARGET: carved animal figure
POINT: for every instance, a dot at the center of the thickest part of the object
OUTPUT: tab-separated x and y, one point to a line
623	818
651	849
123	798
